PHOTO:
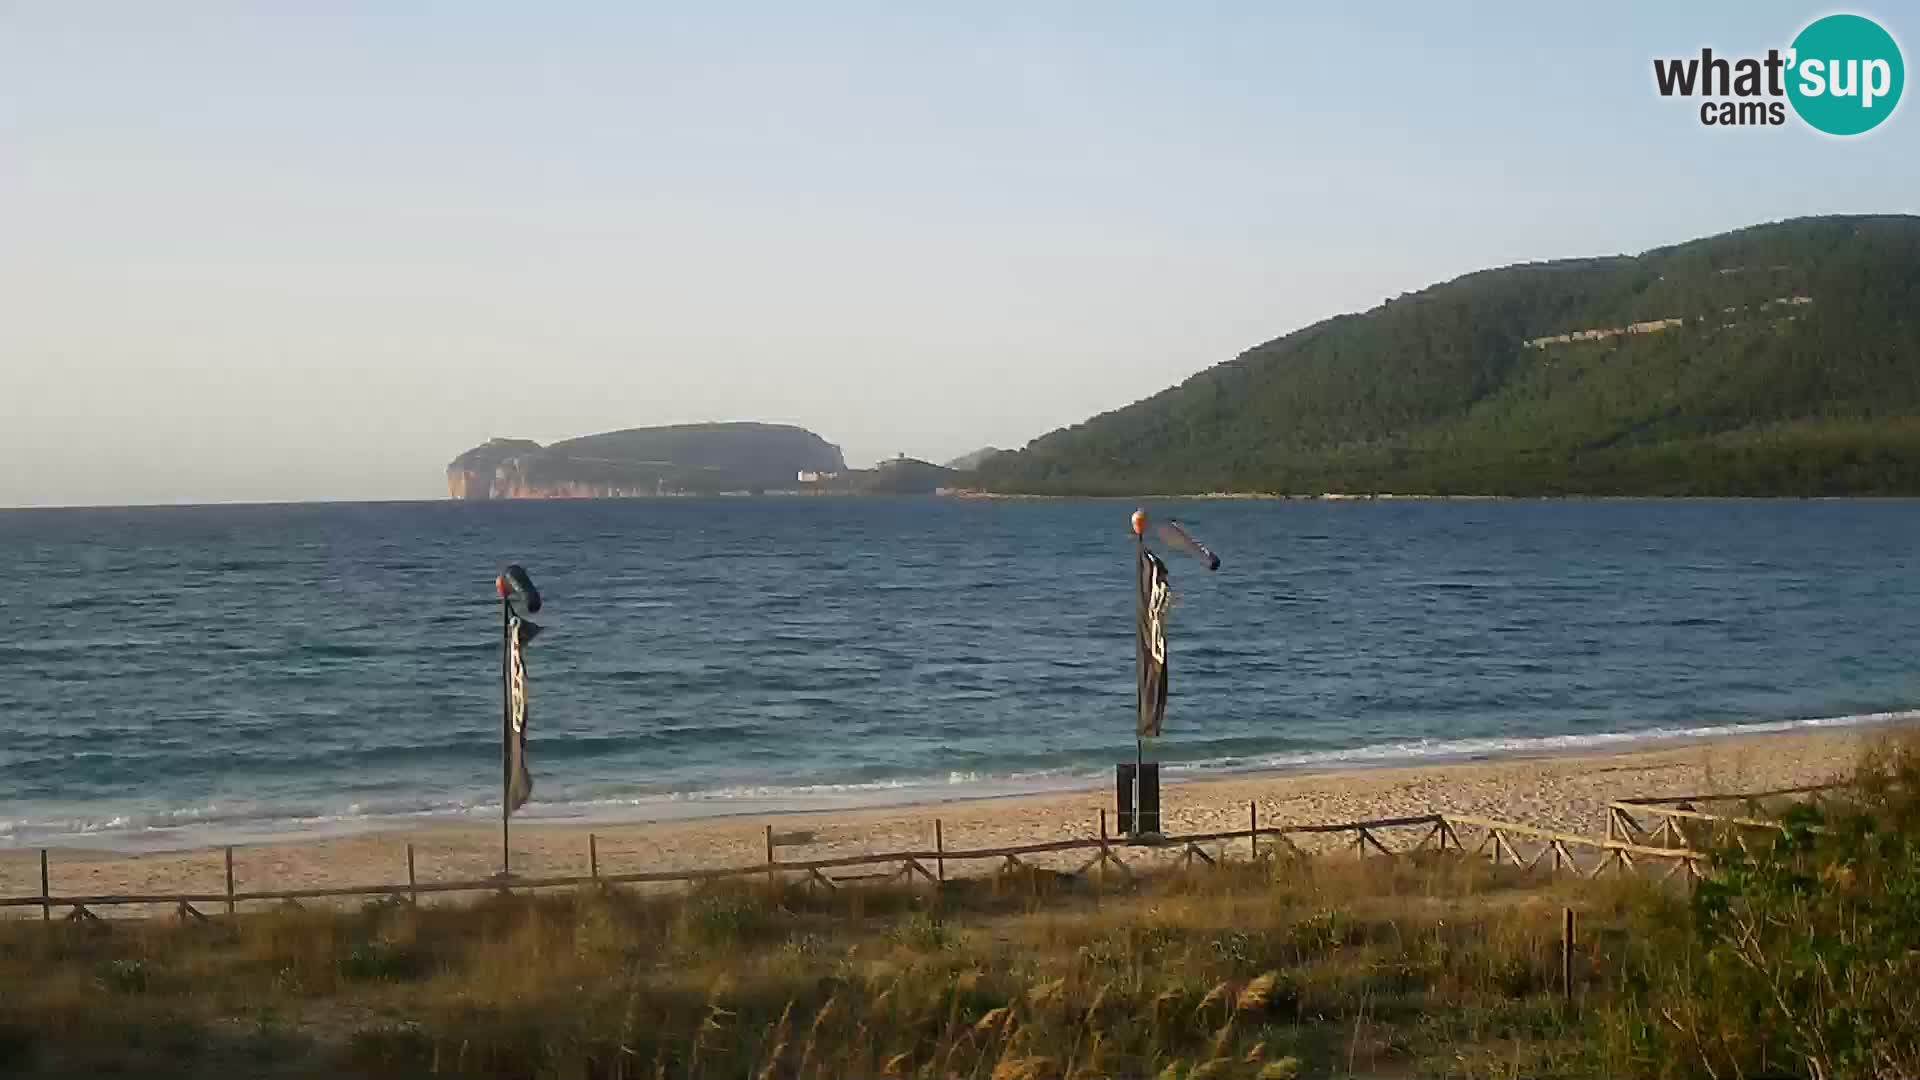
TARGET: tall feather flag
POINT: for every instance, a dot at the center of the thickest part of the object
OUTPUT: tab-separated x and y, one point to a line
1155	600
516	785
519	780
1150	640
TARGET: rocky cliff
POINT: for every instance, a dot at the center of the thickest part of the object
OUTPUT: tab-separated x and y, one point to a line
685	459
471	475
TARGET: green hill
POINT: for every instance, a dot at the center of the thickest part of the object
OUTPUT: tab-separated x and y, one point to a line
969	462
903	476
1781	359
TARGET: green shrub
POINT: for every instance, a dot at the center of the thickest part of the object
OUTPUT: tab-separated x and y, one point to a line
725	917
382	961
124	976
1800	950
922	932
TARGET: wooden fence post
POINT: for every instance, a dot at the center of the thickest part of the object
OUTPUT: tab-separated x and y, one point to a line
1566	955
593	856
1102	864
1253	830
770	884
229	879
46	905
413	885
939	851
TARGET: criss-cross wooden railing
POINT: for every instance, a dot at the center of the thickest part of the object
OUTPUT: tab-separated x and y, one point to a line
1674	813
816	872
1628	843
1555	850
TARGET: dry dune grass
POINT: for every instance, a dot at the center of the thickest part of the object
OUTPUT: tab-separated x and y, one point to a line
1245	970
1435	963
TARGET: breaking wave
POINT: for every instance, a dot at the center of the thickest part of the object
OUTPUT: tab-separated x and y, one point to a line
240	821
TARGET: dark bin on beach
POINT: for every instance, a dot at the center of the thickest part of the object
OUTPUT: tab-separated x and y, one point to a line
1149	797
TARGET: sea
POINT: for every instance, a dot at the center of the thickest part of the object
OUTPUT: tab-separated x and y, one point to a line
178	676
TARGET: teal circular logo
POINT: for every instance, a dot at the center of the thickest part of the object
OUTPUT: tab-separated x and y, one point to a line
1846	74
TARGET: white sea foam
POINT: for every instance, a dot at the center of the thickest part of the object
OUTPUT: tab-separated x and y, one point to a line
1456	749
238	821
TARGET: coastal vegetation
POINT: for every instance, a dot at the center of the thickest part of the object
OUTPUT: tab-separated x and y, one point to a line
1782	359
1790	959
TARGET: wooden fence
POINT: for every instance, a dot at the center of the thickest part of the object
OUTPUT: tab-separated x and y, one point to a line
1675	812
903	864
1601	855
1502	841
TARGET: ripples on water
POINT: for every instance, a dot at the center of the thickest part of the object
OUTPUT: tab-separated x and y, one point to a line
177	673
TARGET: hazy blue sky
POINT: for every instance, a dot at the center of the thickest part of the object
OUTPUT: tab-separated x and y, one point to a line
271	256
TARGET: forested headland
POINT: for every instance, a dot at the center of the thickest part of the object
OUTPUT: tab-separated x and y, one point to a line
1781	359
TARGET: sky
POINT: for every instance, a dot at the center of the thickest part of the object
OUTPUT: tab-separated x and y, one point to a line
292	251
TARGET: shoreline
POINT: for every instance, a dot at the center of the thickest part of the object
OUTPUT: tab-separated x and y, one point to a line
906	796
1004	496
1566	791
1411	496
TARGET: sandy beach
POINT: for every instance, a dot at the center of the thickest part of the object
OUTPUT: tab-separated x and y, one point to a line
1564	792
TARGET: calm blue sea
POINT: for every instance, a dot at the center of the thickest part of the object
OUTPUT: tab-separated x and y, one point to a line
174	676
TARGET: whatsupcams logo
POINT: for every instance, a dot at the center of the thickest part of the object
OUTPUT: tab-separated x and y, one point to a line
1842	75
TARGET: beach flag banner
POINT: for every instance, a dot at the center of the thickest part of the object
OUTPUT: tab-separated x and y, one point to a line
1137	786
516	783
1152	603
1156	596
519	780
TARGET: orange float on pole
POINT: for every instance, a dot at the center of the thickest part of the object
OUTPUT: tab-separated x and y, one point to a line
1140	523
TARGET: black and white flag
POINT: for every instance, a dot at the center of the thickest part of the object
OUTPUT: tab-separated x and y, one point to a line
519	781
1156	596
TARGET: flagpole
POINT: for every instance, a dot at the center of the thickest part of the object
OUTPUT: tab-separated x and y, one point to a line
506	726
1139	676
